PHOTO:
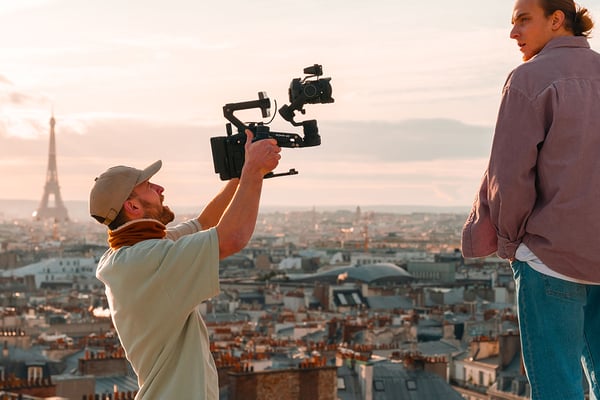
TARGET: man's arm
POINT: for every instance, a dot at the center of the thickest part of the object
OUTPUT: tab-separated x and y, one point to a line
213	211
237	224
512	168
479	236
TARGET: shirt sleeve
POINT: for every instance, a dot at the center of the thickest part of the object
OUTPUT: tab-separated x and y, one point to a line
184	228
519	134
479	237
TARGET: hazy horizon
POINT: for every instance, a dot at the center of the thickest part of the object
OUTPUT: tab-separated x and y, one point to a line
78	211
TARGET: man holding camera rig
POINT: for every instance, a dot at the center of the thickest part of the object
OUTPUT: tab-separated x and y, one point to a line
156	276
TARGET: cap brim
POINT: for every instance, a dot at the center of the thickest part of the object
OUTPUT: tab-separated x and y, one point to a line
149	171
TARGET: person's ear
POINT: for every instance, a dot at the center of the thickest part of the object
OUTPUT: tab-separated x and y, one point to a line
132	208
558	20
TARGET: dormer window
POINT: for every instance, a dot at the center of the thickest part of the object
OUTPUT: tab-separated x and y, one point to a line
34	373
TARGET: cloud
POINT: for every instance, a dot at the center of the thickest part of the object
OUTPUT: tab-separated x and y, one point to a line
448	182
20	110
408	140
437	160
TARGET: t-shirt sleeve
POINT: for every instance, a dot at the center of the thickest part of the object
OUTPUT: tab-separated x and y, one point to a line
184	228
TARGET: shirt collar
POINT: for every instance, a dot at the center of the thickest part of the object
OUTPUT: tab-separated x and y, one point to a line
567	41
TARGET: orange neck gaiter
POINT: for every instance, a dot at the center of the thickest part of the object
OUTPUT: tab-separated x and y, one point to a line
136	231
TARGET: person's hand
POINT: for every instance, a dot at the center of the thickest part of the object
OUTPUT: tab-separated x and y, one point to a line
262	156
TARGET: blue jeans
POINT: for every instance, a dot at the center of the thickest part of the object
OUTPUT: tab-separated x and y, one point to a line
560	332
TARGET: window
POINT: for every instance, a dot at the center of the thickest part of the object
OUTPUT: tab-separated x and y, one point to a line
341	384
342	299
378	386
34	373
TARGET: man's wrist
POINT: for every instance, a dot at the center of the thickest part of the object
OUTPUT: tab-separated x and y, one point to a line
251	175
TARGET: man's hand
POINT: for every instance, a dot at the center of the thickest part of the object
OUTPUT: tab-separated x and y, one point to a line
261	157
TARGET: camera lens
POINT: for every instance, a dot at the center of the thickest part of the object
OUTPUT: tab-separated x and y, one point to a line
310	91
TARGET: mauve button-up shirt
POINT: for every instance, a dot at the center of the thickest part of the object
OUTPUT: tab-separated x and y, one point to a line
542	185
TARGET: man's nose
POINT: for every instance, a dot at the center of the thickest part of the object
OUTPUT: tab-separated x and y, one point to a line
159	189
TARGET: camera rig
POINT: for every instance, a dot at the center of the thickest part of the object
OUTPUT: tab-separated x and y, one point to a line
229	151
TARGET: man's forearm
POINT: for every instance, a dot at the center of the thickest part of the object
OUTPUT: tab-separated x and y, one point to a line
239	220
213	211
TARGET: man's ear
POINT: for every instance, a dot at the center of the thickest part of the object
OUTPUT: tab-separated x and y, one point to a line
558	20
132	208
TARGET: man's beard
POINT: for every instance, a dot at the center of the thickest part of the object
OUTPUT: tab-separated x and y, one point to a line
166	215
160	213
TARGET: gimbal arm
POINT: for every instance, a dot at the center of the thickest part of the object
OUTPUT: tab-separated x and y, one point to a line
263	102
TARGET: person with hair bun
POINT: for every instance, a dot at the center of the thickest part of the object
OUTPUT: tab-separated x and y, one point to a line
537	205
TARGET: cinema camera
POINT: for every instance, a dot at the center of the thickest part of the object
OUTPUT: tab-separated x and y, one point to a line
228	151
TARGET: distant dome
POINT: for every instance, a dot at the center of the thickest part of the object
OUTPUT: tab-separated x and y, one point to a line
372	273
367	273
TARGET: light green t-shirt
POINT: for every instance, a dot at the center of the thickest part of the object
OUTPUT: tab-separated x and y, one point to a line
153	289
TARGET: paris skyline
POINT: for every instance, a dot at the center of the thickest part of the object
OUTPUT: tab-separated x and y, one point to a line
416	89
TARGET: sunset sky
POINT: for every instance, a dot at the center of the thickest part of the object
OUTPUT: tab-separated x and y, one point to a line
416	87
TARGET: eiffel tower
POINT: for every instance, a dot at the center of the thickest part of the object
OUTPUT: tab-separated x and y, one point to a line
52	205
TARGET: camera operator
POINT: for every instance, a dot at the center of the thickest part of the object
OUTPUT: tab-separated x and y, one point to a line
156	277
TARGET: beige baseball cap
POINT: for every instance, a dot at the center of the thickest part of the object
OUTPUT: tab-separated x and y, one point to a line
114	186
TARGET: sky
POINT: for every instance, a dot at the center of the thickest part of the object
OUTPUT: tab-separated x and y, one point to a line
416	86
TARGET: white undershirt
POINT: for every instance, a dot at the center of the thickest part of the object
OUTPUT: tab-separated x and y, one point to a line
525	254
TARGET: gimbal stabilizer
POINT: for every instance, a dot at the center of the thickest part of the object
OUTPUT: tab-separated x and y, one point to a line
228	151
